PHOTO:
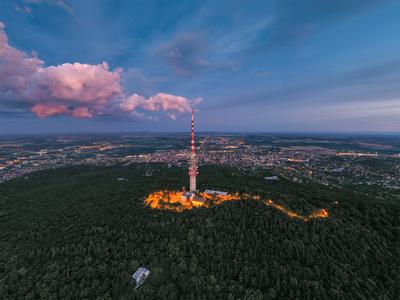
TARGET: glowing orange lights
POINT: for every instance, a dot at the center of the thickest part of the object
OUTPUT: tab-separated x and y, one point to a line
320	214
177	201
218	199
170	200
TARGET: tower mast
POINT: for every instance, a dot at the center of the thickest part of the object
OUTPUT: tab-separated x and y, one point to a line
192	161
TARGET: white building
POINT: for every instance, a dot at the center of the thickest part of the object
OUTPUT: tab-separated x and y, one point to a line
140	275
213	192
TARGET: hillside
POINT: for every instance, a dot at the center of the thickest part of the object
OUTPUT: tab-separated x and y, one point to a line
80	233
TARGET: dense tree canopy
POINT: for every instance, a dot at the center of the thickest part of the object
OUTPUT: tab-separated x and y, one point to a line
80	233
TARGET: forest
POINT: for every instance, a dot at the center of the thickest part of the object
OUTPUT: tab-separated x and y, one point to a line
80	233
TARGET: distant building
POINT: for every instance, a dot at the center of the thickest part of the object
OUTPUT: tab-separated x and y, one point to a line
271	178
140	275
213	192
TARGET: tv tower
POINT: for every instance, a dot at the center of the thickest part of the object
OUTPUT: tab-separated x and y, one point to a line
192	162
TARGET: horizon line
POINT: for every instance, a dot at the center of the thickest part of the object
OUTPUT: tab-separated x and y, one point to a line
238	132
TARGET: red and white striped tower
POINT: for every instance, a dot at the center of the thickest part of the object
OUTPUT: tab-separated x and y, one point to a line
193	161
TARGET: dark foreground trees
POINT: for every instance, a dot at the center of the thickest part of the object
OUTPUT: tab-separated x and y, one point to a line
78	233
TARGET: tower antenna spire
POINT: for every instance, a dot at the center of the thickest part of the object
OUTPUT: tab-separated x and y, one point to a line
192	145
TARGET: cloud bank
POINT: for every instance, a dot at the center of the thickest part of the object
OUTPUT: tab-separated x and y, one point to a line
77	90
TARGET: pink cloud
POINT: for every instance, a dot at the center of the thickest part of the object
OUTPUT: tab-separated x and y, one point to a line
77	90
81	83
16	67
166	102
81	112
44	110
159	102
132	102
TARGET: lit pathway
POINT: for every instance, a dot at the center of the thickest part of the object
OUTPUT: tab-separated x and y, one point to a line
175	201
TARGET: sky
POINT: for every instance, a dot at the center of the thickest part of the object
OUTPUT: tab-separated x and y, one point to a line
71	66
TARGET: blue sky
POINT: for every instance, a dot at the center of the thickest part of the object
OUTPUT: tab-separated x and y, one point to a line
286	65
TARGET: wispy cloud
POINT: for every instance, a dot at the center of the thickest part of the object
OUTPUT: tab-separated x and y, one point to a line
345	110
25	6
136	80
296	20
186	54
239	36
260	73
378	80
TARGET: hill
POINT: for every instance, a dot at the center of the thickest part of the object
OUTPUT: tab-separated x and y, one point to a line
80	233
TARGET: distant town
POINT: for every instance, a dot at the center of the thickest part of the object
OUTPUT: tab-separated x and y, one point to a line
333	162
